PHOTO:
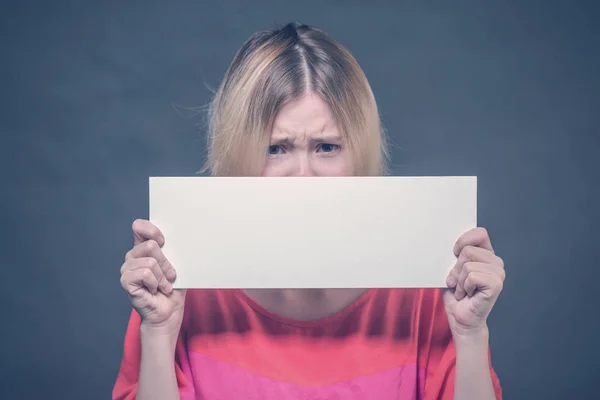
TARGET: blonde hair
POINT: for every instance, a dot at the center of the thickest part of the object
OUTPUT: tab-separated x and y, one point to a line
274	67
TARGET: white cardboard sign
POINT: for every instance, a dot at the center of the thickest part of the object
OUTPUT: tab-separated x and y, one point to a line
312	232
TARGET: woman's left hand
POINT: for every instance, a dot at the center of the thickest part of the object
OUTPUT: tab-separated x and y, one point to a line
475	283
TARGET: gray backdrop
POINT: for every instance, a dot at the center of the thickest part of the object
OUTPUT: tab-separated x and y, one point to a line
97	96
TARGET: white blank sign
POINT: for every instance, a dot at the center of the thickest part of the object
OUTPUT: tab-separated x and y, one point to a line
312	232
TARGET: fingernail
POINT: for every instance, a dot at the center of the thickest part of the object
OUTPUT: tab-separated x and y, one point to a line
171	274
450	281
169	287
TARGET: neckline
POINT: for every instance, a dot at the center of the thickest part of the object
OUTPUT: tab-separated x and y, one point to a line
312	323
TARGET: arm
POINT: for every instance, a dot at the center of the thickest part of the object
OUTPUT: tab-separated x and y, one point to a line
157	367
154	356
473	379
152	366
475	283
458	366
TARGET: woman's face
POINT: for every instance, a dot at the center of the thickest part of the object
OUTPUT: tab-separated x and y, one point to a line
305	141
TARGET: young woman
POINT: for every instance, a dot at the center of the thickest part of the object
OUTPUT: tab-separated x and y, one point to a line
294	102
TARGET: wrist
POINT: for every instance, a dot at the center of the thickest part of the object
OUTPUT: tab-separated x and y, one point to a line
158	335
472	338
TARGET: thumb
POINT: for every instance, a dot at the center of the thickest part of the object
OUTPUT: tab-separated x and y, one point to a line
179	294
449	297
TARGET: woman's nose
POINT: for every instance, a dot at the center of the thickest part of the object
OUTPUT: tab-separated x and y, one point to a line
303	166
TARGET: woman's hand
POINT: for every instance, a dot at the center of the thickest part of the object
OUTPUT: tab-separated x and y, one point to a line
477	280
146	276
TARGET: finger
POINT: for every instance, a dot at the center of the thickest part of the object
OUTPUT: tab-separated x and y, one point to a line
149	263
479	254
453	281
468	268
488	285
461	272
151	248
478	237
145	230
135	282
459	291
469	254
474	266
452	278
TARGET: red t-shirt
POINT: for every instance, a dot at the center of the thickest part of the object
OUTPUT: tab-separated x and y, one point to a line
388	344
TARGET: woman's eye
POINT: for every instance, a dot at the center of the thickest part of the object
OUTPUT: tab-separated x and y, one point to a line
327	147
275	150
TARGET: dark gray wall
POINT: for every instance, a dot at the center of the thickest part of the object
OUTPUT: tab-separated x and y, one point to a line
506	90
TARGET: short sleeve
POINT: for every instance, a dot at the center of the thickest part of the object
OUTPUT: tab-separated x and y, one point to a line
439	385
125	387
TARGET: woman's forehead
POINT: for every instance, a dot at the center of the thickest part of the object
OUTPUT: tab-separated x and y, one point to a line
306	117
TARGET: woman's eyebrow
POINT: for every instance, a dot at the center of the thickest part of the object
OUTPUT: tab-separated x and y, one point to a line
325	138
281	139
317	138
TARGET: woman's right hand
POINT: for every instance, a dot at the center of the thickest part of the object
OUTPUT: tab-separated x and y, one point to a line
146	276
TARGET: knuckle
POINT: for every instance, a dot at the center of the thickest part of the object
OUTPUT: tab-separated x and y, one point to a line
499	286
137	224
501	262
125	284
151	245
129	255
480	234
153	231
502	275
468	267
148	263
154	264
124	268
146	274
469	252
468	280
